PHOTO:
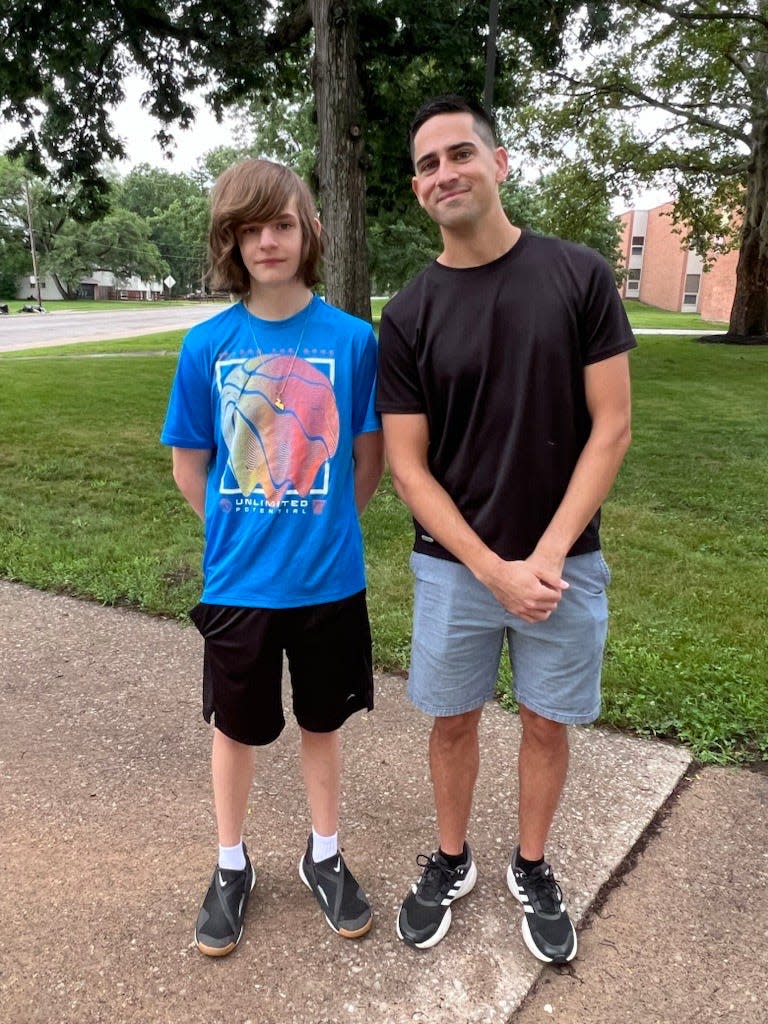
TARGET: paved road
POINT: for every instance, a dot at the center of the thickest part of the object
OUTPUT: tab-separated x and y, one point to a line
28	330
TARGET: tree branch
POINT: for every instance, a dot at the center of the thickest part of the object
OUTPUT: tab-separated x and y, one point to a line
678	13
624	89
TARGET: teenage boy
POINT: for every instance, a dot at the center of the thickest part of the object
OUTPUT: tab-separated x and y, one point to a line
277	447
504	389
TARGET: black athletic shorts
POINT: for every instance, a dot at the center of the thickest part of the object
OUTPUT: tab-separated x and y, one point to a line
328	647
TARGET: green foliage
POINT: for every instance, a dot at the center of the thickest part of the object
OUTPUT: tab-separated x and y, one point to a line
675	95
569	203
216	161
118	243
71	65
283	130
400	247
668	99
180	234
15	262
15	258
149	191
407	57
576	206
175	208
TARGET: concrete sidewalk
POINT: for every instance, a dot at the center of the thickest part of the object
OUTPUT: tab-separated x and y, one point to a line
108	844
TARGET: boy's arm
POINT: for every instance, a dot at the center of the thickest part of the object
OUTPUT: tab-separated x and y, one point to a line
368	454
190	471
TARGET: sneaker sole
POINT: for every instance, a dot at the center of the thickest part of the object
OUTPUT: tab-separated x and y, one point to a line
526	930
445	924
345	933
214	950
224	950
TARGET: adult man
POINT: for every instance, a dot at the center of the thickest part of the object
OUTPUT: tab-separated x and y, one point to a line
504	389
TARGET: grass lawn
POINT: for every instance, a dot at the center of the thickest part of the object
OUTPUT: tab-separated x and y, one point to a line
87	506
641	315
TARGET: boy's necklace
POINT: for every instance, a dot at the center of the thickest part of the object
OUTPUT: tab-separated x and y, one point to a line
279	396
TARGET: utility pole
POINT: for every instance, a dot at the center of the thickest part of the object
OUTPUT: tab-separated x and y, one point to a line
32	244
490	56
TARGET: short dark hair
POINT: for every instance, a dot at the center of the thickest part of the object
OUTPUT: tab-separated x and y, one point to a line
452	104
257	191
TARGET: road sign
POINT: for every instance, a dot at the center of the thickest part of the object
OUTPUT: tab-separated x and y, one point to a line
169	281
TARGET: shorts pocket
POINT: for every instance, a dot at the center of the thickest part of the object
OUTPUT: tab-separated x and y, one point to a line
429	569
606	572
213	620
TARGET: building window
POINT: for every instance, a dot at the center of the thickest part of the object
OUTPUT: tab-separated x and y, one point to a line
638	241
691	293
633	280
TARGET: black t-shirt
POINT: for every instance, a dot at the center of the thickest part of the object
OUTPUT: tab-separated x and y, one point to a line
494	356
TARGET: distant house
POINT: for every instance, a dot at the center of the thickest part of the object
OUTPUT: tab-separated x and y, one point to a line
663	272
100	285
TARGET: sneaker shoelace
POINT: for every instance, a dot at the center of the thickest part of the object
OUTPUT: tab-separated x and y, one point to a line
547	892
436	879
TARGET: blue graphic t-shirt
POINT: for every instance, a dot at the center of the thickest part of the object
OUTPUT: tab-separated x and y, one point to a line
279	403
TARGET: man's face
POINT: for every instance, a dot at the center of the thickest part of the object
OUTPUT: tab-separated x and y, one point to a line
457	173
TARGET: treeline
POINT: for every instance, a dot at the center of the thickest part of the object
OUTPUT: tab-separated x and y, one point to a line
156	222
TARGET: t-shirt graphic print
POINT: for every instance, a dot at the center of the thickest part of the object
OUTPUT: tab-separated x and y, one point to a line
280	422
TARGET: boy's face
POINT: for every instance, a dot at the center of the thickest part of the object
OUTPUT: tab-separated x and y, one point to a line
271	252
457	174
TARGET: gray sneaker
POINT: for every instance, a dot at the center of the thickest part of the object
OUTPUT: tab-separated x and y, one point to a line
220	922
341	899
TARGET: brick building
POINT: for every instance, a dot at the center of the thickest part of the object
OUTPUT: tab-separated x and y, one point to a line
662	272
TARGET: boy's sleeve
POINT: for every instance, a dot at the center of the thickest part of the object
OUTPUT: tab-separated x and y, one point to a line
364	416
189	417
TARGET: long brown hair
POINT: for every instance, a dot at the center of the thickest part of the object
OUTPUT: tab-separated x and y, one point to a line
255	192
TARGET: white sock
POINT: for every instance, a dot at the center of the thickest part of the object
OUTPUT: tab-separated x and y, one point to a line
324	847
232	858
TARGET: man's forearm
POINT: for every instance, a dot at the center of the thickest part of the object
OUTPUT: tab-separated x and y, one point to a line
526	593
434	508
589	486
531	595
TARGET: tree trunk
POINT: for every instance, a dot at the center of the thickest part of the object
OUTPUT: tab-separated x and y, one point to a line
340	168
749	314
63	290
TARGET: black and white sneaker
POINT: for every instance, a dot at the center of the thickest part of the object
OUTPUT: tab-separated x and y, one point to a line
547	930
219	925
425	915
337	891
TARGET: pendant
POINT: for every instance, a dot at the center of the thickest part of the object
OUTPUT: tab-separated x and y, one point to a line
279	403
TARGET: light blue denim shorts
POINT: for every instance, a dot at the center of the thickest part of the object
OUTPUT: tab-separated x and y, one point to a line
458	634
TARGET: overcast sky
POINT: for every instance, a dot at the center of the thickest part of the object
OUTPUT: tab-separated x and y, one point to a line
137	129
